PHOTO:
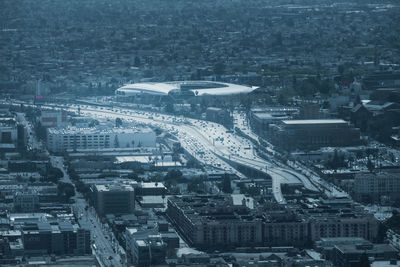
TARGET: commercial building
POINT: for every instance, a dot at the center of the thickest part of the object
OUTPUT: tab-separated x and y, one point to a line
53	118
114	198
370	187
326	245
149	251
150	189
60	238
73	138
313	134
145	245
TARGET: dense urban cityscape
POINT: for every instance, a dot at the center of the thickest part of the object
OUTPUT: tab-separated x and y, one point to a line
200	133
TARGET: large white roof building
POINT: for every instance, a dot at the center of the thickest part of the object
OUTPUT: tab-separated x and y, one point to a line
197	88
62	139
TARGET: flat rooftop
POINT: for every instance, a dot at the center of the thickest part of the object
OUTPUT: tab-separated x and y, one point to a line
115	187
270	116
151	185
95	130
313	122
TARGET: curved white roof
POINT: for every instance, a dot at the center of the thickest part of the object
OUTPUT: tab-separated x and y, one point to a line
197	87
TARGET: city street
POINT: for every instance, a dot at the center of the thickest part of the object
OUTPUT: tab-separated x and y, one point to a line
105	245
33	142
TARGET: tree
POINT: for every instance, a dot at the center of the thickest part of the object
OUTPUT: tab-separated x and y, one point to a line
54	174
192	163
282	99
65	191
173	174
225	184
162	159
364	261
116	142
219	68
196	185
118	122
336	162
169	108
40	131
381	235
133	176
175	157
137	62
357	100
370	165
341	69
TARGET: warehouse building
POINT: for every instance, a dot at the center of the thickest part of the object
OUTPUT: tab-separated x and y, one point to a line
314	134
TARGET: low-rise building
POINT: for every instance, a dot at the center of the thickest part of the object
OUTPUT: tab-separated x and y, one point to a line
326	245
26	201
313	134
261	118
147	245
114	198
347	255
147	252
150	189
41	237
63	238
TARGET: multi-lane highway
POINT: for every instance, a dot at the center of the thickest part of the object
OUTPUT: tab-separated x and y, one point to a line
209	142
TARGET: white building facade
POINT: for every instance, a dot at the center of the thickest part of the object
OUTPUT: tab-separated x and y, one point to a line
73	138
